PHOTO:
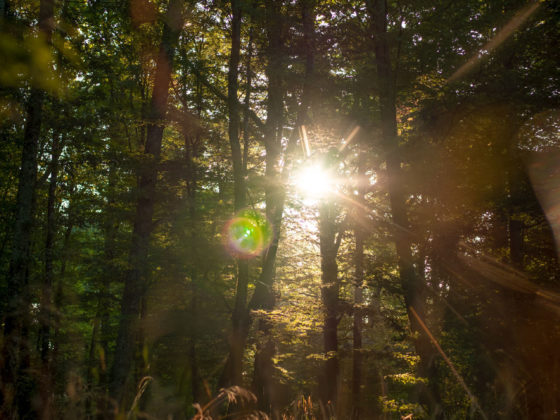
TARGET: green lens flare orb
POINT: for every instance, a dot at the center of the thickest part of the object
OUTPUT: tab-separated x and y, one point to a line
247	234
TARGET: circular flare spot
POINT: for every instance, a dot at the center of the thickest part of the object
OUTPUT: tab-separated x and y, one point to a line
247	234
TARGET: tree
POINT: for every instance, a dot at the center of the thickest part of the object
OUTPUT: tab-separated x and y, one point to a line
232	371
135	280
16	382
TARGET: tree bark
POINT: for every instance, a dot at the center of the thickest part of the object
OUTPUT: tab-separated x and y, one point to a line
136	278
232	374
192	148
263	298
47	308
330	286
17	384
386	84
358	295
247	101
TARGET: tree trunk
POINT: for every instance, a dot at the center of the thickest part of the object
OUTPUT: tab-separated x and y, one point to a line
111	227
58	295
16	380
397	195
247	101
192	146
358	294
47	308
263	298
232	374
90	366
329	295
357	326
136	278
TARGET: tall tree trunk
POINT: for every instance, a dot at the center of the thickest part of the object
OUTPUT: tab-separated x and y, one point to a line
192	149
387	104
247	100
111	227
263	298
17	384
136	278
358	294
329	244
357	326
58	294
47	308
232	374
90	366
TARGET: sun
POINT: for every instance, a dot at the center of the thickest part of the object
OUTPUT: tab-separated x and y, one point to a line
314	181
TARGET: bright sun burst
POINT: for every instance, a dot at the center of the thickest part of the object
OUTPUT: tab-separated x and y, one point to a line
314	181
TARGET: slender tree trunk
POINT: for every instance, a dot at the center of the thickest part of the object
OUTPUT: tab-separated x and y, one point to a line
46	303
111	227
90	366
47	308
247	101
232	374
15	375
136	278
358	295
17	384
397	195
357	327
58	296
329	296
193	149
266	347
192	152
263	298
193	355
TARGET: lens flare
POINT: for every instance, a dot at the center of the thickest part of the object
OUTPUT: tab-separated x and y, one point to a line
315	181
247	234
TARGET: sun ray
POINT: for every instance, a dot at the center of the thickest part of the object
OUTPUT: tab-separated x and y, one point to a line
449	362
349	138
305	142
515	22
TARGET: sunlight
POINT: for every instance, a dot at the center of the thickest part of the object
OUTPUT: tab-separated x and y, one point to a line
314	181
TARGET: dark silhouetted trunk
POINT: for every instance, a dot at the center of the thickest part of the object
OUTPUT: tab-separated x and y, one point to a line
17	382
397	196
192	152
329	244
357	326
358	293
90	366
247	100
57	365
111	227
263	297
136	278
47	307
233	369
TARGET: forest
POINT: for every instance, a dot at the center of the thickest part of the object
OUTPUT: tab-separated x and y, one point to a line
279	209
